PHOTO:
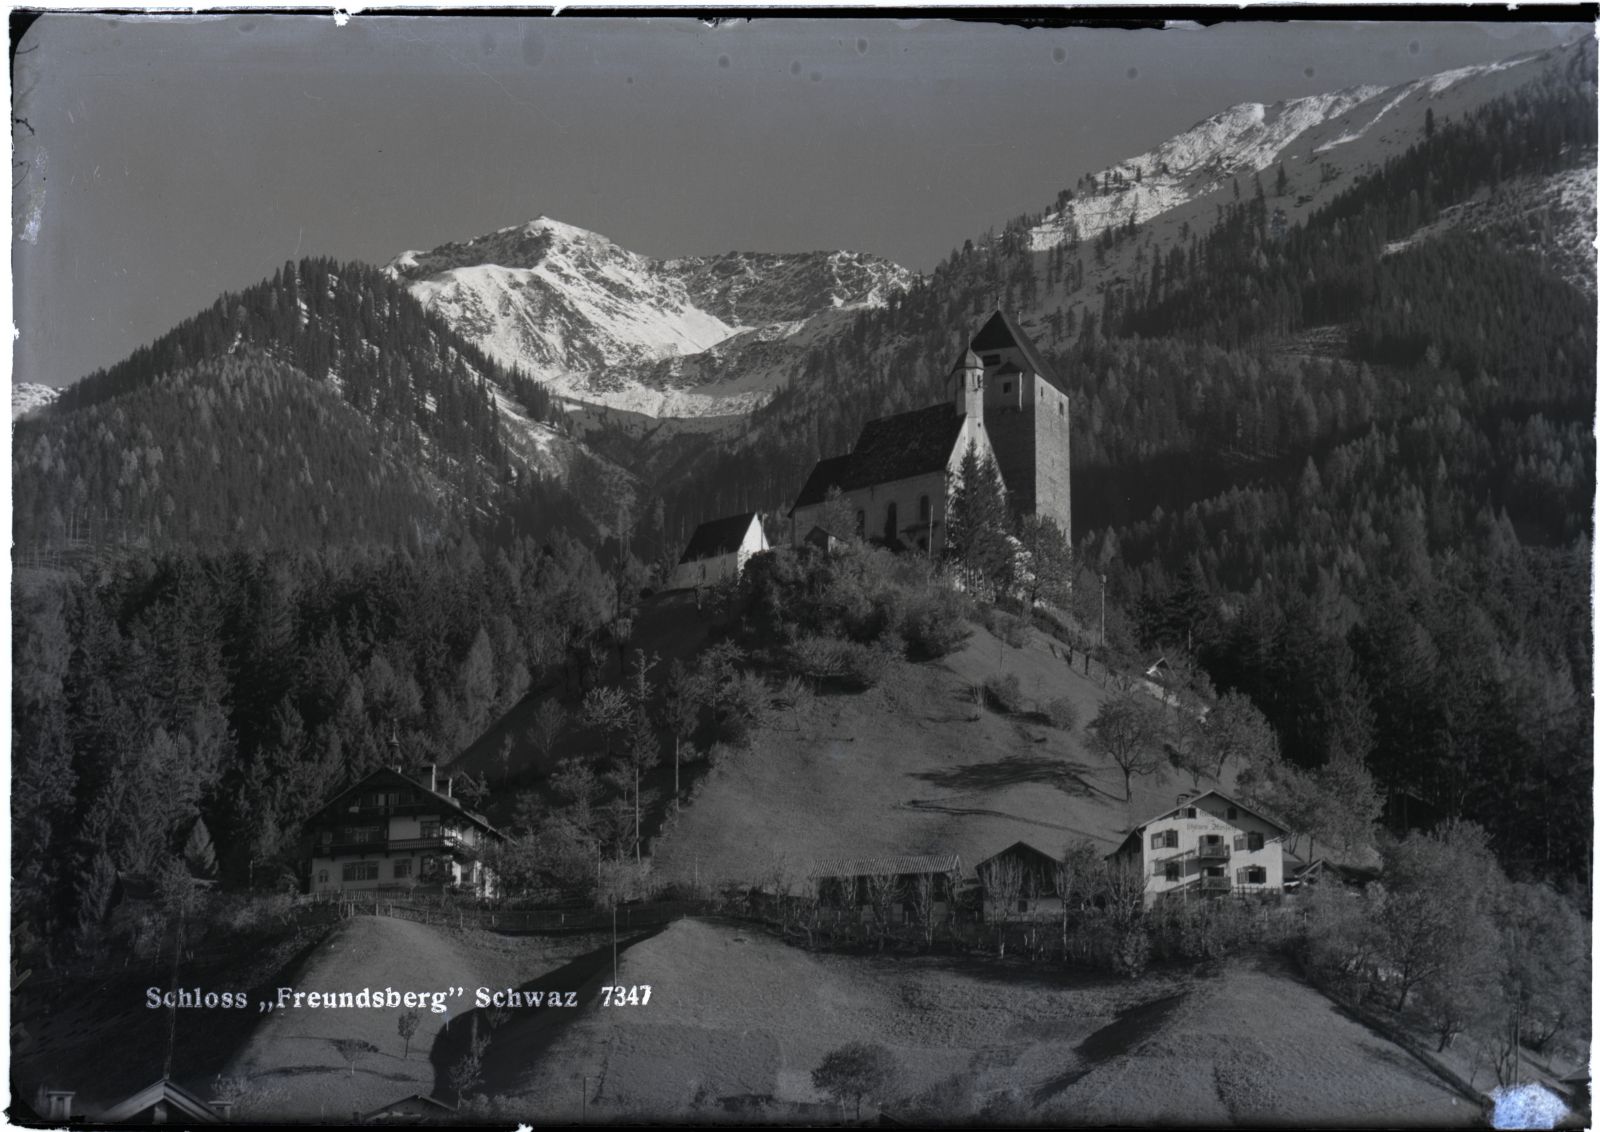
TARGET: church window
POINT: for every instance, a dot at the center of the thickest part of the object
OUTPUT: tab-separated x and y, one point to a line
991	359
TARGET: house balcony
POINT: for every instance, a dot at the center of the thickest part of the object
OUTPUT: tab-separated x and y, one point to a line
1215	851
444	840
1216	884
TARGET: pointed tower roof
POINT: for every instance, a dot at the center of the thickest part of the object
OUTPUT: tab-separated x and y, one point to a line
968	360
1002	332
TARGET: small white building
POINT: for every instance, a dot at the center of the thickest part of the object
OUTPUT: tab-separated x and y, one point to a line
1206	845
718	551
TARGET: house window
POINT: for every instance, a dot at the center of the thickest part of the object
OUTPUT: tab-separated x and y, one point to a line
1172	839
1005	387
1253	875
430	827
430	867
1233	813
924	509
1022	905
322	876
360	870
402	868
1254	841
891	522
1174	871
1190	812
326	837
364	834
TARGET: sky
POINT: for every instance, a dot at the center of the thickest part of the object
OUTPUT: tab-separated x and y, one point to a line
163	160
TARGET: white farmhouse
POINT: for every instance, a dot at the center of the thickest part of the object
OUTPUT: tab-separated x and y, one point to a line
718	550
1208	844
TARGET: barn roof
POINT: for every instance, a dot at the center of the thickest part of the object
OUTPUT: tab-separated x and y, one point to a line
718	537
1002	332
887	865
1021	847
889	449
191	1108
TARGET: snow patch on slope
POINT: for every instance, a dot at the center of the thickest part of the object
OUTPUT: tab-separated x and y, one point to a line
28	397
1242	139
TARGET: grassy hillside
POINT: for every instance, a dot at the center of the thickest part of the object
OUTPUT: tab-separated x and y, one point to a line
291	1068
912	766
734	1014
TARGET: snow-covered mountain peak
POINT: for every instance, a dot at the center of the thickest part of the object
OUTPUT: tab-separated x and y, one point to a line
610	327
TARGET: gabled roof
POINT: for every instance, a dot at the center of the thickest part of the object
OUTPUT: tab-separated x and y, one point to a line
832	471
190	1107
1012	848
1137	832
718	537
1187	802
1001	332
388	776
889	449
394	1112
887	865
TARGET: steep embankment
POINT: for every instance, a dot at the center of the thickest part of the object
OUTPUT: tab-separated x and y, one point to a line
292	1068
735	1016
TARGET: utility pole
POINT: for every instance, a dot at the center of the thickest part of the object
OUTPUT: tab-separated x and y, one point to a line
1102	611
636	849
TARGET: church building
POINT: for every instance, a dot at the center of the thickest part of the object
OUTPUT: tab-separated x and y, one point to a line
1002	399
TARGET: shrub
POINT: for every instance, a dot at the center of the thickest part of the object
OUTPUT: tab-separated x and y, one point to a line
1130	951
1003	693
935	623
861	666
816	658
1012	631
1062	713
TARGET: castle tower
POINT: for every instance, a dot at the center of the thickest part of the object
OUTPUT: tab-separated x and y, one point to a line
966	385
1029	421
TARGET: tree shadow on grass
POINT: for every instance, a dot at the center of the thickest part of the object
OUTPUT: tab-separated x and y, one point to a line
1014	770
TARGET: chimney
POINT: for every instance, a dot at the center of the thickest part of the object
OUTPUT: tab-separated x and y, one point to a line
224	1109
59	1103
1183	798
449	785
433	777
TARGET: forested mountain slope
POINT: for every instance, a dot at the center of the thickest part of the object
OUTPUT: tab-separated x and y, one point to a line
322	405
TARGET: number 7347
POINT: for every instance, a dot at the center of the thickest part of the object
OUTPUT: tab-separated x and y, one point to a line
626	996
